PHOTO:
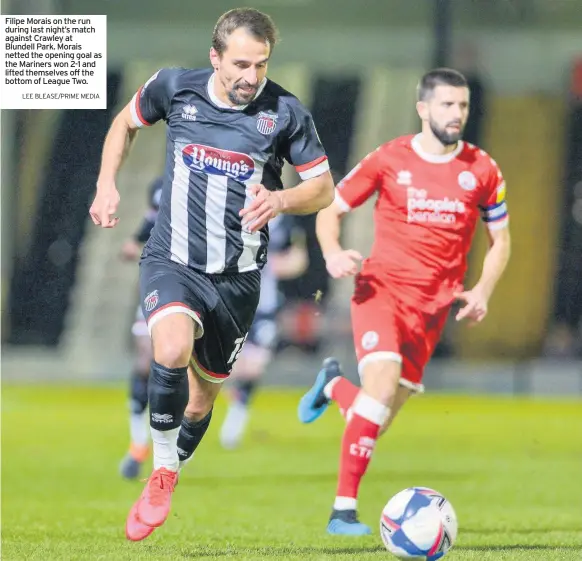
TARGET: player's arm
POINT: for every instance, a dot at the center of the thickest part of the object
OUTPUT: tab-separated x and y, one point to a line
496	260
309	196
148	105
328	229
116	148
494	215
356	188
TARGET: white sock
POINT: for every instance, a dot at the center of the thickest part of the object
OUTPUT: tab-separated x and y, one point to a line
327	389
165	448
139	428
345	503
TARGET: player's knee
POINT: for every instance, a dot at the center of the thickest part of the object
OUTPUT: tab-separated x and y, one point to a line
380	380
173	339
172	355
173	350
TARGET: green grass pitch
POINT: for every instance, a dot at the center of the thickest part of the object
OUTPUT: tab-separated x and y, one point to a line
512	469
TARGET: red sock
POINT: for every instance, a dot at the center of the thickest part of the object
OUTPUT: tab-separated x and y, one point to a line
358	443
344	393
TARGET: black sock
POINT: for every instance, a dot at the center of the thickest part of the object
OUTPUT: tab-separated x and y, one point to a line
190	435
138	393
168	396
244	390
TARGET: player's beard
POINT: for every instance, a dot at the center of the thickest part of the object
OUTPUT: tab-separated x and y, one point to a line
238	97
444	137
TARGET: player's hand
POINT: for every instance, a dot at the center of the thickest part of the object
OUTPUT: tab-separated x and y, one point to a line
475	308
130	251
264	206
343	263
105	206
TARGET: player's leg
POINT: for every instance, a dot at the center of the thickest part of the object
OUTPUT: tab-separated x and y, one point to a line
246	374
373	409
139	430
392	358
172	339
173	312
377	341
226	328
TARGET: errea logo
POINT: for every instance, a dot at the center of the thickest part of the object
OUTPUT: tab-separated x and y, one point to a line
189	112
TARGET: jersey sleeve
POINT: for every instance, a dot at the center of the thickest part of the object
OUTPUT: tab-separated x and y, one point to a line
151	102
493	205
360	184
304	150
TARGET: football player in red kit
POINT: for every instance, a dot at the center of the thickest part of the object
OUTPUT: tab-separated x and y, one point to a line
431	189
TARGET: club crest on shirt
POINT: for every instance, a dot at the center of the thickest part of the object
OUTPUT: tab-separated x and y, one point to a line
467	180
266	122
370	340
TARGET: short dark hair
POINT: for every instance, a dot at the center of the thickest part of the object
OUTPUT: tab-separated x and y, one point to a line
439	77
258	24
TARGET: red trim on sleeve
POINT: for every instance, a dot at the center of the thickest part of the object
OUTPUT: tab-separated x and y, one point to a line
309	165
138	110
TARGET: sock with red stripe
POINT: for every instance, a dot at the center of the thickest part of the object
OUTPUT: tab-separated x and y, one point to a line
359	440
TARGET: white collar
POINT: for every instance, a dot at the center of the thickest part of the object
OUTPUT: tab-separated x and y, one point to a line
435	158
219	103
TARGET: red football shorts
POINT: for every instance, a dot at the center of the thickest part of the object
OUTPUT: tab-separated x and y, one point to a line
387	327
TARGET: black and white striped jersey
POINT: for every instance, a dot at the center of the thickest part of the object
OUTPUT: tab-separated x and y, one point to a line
213	153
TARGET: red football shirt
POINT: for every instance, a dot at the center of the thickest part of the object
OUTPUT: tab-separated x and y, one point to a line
425	214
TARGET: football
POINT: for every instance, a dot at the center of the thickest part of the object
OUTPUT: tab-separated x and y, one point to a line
418	523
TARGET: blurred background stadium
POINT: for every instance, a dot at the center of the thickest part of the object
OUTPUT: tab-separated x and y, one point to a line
68	302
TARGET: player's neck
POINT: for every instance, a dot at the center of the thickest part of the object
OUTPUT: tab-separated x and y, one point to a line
432	145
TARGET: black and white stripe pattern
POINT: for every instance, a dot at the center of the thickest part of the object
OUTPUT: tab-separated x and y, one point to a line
215	153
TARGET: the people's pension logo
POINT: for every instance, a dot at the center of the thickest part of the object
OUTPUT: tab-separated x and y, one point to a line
421	208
